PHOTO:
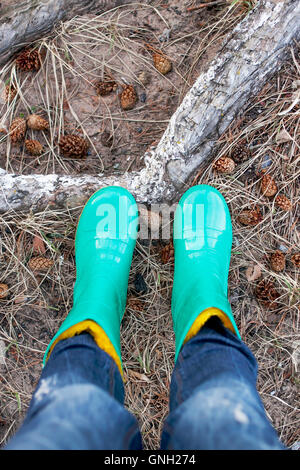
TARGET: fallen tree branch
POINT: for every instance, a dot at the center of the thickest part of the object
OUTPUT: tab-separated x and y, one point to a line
252	53
30	20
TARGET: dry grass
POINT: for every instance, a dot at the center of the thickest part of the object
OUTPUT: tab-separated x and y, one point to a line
78	55
36	305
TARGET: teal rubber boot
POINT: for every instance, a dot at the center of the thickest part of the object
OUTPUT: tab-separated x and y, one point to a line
202	244
104	244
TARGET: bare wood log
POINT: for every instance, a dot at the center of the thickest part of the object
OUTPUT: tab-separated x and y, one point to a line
53	191
251	54
35	192
30	20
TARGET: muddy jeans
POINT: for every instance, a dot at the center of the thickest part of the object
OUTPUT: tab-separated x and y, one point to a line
214	404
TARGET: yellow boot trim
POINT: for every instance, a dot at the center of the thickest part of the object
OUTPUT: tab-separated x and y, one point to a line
202	319
99	335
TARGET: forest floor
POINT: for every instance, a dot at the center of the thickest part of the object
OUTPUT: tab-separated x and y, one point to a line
265	138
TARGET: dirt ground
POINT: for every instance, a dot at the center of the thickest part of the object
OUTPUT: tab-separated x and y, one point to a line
76	57
81	54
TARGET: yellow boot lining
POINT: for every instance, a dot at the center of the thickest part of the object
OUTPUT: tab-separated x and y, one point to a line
99	335
202	319
104	343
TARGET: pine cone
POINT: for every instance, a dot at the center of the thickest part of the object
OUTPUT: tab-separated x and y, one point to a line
241	152
3	291
39	263
295	259
277	261
104	88
167	253
224	165
29	60
73	146
250	216
135	304
128	97
283	202
34	147
267	294
9	93
17	130
161	63
268	186
37	123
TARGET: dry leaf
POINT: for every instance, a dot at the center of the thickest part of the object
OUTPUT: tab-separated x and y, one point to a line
4	291
138	376
38	245
253	273
296	99
296	84
158	353
283	136
21	299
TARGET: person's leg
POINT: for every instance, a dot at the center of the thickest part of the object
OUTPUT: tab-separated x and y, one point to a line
78	403
214	403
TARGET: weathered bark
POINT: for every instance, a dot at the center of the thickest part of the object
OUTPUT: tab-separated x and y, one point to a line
252	53
32	19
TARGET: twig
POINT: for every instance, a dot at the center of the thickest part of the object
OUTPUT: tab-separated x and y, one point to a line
203	5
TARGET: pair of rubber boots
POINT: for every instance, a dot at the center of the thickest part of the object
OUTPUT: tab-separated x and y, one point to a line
105	241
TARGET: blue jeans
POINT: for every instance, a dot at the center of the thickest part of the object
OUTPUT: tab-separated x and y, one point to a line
214	404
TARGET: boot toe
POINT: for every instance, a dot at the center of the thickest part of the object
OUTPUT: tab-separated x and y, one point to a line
202	213
111	212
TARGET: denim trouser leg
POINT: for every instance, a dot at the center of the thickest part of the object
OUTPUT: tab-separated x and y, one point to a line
78	403
214	403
